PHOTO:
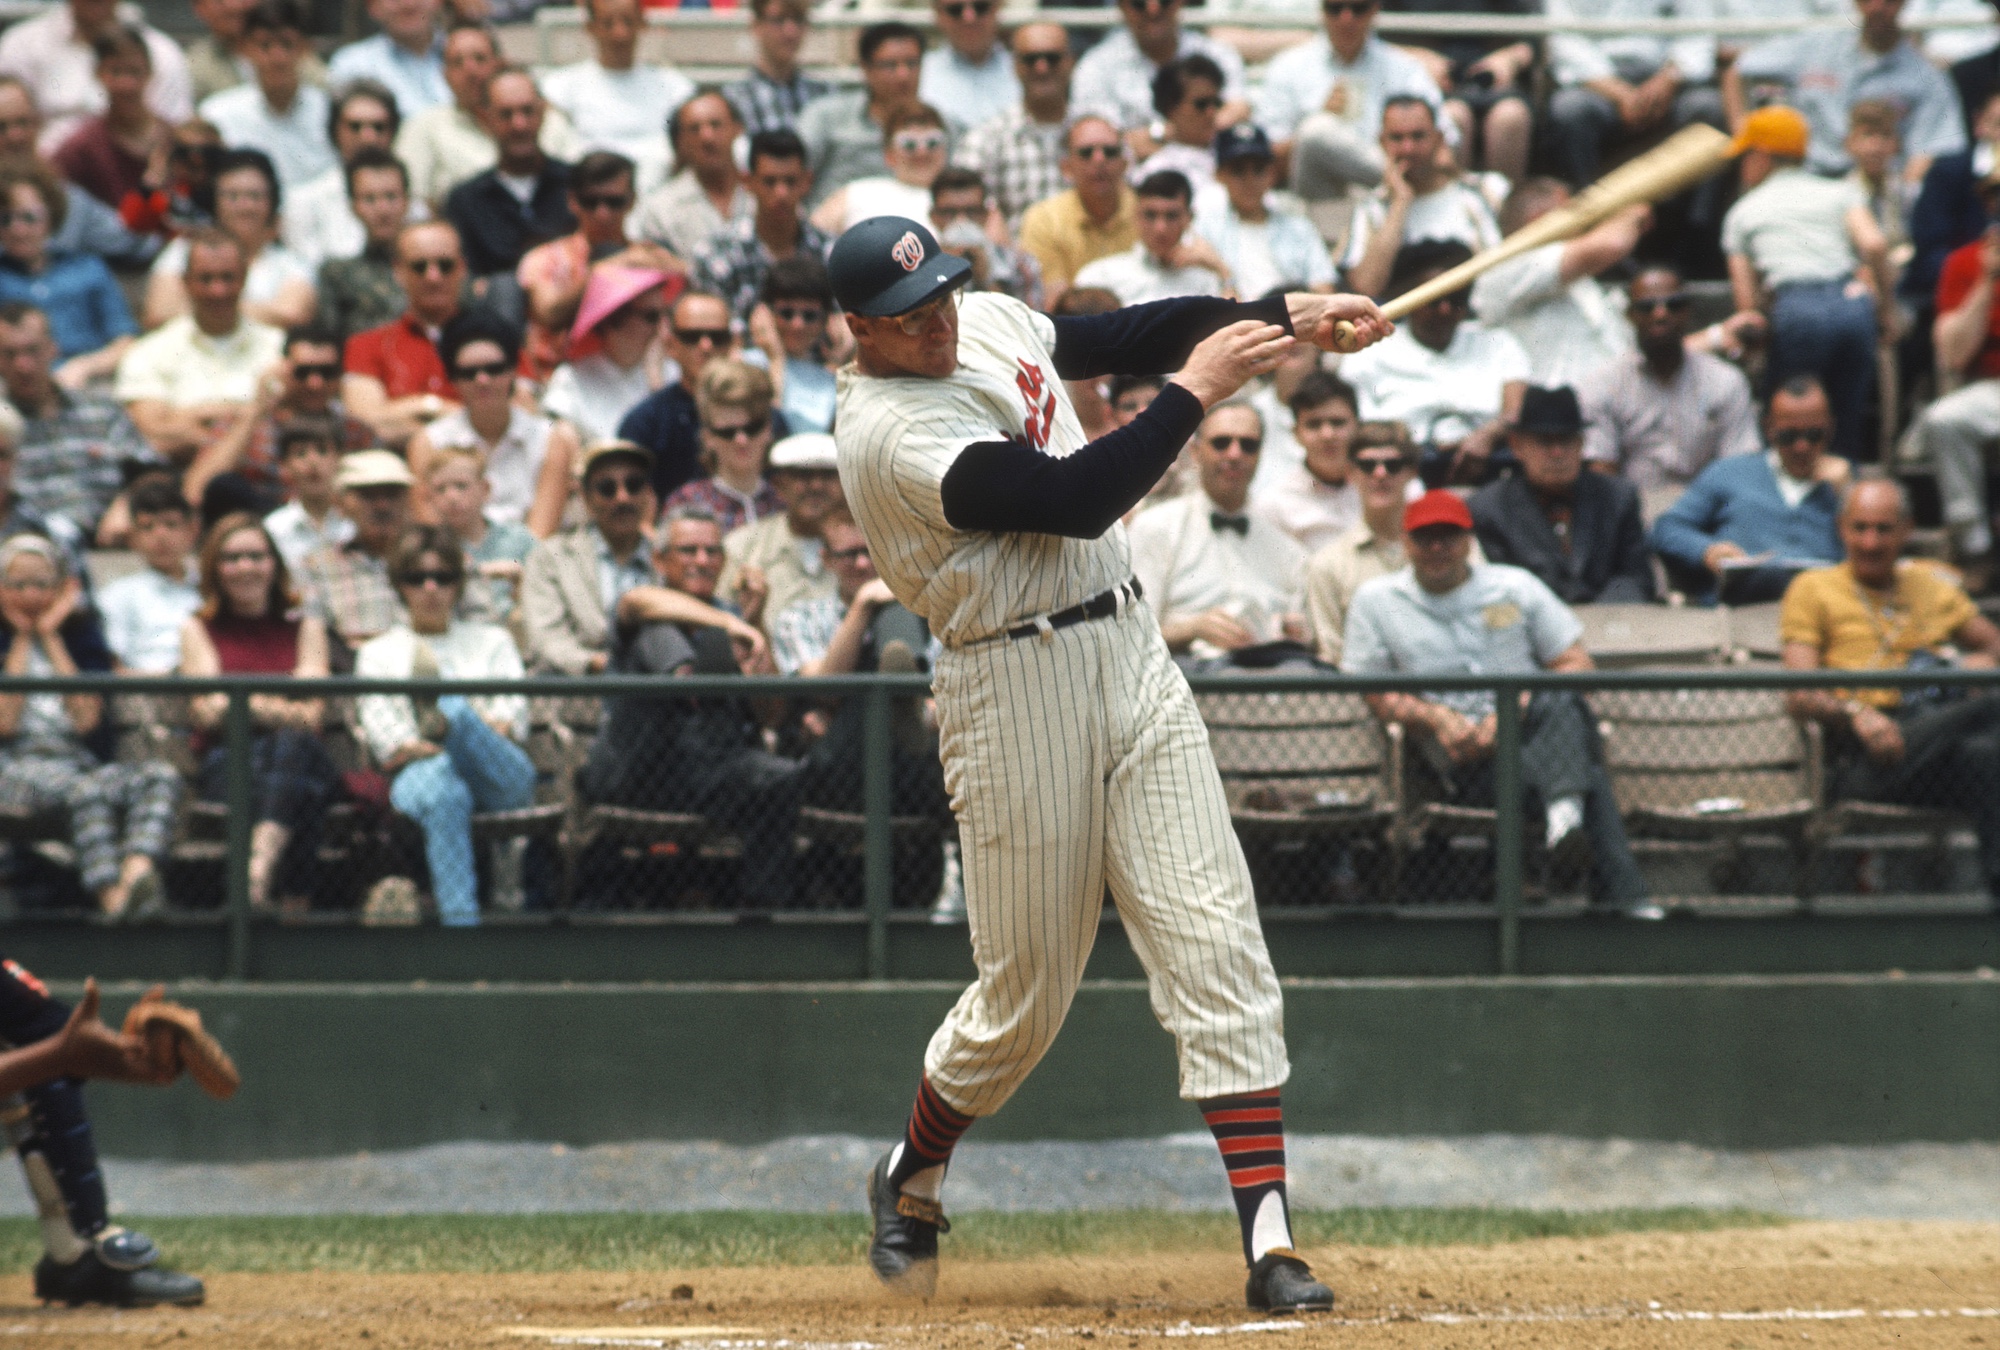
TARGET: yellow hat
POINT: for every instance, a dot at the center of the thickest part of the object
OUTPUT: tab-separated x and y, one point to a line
1775	130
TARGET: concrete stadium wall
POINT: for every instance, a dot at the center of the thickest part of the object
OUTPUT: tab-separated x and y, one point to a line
1739	1061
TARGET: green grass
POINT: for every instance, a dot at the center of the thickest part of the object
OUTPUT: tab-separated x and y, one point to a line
566	1242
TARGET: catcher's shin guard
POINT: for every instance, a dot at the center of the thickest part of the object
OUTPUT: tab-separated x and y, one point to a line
50	1131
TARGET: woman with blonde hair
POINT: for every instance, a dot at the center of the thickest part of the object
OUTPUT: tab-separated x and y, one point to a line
734	399
249	624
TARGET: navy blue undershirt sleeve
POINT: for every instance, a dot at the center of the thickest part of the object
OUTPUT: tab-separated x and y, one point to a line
1011	487
1152	339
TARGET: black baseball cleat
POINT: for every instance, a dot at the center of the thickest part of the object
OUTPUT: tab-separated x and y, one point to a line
903	1249
89	1280
1281	1282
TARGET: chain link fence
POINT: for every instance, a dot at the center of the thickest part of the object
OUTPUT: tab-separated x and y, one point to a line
1608	792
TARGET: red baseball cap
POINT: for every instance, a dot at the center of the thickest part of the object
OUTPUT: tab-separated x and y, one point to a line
1439	506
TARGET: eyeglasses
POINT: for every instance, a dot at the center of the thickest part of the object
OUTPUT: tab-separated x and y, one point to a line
439	577
331	370
604	201
23	218
918	321
1371	465
1208	103
746	431
1672	304
694	337
1799	436
1112	150
798	313
488	369
969	9
696	550
1334	9
848	555
1251	444
1041	60
927	143
255	555
609	486
424	267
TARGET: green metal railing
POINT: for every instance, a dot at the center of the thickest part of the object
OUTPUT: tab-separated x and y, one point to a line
878	692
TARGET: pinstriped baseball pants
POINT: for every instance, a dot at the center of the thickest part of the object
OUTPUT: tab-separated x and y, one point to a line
1074	762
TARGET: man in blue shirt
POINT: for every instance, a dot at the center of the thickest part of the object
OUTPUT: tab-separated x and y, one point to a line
1749	523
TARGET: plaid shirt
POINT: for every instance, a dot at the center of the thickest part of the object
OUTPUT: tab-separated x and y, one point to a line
804	632
721	501
766	105
71	462
349	591
1020	159
736	262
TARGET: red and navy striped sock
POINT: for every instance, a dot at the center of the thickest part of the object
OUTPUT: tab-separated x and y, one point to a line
1250	1131
929	1138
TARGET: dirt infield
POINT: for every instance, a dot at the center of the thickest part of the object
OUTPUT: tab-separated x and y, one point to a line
1839	1285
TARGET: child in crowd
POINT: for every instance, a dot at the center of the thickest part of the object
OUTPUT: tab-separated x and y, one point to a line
308	462
800	298
1875	143
143	612
494	549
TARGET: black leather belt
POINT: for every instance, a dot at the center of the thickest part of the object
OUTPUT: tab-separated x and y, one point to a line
1097	607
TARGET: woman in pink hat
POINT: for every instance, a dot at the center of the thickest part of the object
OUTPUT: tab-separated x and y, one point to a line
622	310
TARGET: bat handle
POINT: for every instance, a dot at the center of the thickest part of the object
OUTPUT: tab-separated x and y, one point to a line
1345	338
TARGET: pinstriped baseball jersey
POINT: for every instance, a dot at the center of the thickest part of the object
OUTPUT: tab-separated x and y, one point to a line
897	439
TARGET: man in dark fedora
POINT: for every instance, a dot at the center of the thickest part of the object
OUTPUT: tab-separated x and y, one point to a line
1579	532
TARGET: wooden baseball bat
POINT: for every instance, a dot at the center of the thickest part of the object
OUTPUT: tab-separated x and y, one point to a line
1672	166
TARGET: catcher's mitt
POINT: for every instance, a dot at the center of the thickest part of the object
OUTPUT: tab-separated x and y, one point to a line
175	1040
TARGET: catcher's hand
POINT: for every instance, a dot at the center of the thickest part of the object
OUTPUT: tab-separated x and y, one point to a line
173	1039
86	1048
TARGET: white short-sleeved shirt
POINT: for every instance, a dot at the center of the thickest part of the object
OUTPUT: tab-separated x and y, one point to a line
1793	227
1502	621
969	93
1456	211
1136	277
899	436
181	365
622	110
1568	331
1578	58
1115	78
1188	566
1439	396
143	613
1298	80
295	139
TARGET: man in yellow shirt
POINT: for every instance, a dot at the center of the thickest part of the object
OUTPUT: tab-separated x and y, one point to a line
1094	219
1878	611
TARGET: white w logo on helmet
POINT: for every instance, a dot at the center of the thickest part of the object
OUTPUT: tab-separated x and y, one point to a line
909	251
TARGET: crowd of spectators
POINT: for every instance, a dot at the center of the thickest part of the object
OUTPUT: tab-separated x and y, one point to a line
398	358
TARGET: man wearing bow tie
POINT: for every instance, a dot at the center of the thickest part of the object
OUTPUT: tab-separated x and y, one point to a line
1225	583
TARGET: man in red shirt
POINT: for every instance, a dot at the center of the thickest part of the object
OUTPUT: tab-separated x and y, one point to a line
395	380
1956	430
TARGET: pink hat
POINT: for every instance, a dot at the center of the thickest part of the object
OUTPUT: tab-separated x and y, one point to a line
609	290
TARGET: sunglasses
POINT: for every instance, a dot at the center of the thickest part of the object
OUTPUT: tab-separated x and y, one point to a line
694	337
610	486
1041	60
968	9
848	555
1372	465
489	369
1206	104
747	431
649	315
696	550
608	201
1799	436
1111	151
1383	465
798	313
918	321
1335	9
1672	304
928	143
424	267
438	576
1251	444
329	371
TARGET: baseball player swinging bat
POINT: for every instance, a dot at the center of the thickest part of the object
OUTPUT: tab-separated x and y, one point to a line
1675	164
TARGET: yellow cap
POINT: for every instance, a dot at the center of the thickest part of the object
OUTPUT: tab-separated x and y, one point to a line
1775	130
